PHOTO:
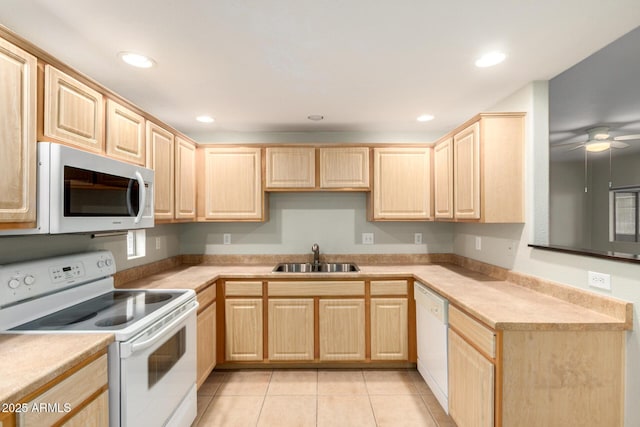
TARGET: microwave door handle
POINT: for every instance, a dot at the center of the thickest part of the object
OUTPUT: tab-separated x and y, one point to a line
128	349
143	197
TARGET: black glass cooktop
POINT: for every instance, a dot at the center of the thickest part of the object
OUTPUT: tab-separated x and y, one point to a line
113	310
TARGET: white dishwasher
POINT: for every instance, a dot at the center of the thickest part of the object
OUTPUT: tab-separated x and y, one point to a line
431	328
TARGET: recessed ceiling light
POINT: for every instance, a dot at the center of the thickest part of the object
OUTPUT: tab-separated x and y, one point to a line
205	119
137	60
425	118
490	59
315	117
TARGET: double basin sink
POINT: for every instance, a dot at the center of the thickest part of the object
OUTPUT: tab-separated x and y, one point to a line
321	267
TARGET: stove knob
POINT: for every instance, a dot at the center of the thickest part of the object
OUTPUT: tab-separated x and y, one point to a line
29	280
100	264
108	262
14	283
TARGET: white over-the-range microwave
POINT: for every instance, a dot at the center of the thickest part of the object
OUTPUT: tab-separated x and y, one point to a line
81	192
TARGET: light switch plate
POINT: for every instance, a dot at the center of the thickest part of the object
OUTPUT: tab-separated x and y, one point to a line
226	238
478	243
367	238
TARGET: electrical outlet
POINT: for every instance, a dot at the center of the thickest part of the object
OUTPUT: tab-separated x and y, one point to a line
600	280
158	243
226	238
367	238
417	238
478	243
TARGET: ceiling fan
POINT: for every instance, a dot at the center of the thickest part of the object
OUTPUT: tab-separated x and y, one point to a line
599	139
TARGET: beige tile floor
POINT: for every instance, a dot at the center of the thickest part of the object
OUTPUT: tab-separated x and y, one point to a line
333	398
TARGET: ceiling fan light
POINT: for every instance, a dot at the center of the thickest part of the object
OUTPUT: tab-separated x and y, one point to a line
596	147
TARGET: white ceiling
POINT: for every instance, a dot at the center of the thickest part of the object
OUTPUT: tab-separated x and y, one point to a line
367	66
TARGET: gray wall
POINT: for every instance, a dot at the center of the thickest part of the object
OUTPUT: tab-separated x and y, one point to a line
23	248
335	221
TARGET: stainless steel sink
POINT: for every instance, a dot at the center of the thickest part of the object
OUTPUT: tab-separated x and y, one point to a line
322	267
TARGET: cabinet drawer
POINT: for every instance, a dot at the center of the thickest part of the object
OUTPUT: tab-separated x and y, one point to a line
206	297
251	289
73	390
389	287
481	336
316	288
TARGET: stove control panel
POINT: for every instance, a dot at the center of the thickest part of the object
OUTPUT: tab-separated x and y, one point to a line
31	279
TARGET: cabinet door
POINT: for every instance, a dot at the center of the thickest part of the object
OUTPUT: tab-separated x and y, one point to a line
95	414
466	173
471	379
125	134
443	179
290	167
206	343
73	112
185	179
17	135
291	329
389	338
243	329
342	329
160	159
233	184
402	183
344	167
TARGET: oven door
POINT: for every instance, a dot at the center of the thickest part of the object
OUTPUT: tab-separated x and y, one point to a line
158	373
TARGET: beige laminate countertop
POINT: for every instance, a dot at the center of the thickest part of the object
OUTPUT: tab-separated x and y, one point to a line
500	304
29	361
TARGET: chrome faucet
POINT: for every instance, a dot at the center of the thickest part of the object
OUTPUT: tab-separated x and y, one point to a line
316	253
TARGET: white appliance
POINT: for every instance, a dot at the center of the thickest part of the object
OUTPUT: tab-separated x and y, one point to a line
431	330
152	363
85	192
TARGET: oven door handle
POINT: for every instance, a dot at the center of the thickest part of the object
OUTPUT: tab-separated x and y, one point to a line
127	349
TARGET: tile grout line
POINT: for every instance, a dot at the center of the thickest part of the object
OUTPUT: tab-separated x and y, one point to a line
373	412
264	398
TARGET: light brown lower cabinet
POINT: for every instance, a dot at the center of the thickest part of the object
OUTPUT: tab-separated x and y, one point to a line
206	356
342	330
471	380
95	413
86	393
291	329
243	329
389	336
522	378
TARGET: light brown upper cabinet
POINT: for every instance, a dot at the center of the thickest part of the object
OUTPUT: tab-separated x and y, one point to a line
290	167
125	134
488	171
160	154
466	173
443	179
344	167
401	184
73	112
17	136
231	187
185	184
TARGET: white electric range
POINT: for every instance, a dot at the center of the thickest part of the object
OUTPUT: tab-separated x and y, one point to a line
152	362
